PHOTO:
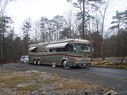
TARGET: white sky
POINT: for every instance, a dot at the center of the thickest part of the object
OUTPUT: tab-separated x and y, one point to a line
20	10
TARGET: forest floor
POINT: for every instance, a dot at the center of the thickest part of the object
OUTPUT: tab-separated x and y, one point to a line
110	63
34	82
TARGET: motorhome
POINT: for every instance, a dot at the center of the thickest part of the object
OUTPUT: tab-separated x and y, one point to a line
66	53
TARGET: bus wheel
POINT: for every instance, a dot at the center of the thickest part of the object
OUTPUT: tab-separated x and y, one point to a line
34	62
65	64
38	62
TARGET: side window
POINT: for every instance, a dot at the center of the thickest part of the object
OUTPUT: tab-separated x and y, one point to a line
60	49
34	50
38	49
85	47
52	50
57	50
69	47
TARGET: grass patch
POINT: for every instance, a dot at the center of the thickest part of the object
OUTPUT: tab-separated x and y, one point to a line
39	81
13	81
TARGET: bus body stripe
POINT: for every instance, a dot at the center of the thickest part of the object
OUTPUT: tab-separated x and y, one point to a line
54	55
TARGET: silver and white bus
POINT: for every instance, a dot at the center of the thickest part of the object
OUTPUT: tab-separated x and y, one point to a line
66	53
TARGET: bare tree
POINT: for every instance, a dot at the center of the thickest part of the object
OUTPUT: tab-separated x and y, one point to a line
59	23
71	20
36	29
85	8
3	5
103	21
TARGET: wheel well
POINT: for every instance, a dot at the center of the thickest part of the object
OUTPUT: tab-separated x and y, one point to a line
63	61
34	60
38	59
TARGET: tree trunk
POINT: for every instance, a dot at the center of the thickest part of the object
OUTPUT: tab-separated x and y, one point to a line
83	20
103	57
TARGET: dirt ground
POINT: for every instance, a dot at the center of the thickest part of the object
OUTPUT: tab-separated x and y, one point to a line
41	83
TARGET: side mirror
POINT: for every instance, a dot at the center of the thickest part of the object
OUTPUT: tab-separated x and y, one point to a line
74	50
92	49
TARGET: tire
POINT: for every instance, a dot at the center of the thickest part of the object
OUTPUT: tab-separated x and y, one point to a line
34	62
65	64
38	62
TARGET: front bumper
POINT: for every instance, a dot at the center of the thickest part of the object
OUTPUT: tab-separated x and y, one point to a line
81	64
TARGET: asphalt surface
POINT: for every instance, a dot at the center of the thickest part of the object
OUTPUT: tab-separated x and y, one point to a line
115	79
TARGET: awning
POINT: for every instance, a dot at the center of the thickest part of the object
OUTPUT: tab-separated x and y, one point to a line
58	45
31	48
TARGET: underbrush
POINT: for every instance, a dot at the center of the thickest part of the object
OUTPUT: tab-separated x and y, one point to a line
109	64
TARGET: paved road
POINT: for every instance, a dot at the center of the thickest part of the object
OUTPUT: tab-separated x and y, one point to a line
112	78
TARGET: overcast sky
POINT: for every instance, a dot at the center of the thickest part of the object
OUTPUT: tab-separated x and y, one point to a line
19	10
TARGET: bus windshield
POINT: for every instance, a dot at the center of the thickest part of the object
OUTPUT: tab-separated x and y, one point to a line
83	48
